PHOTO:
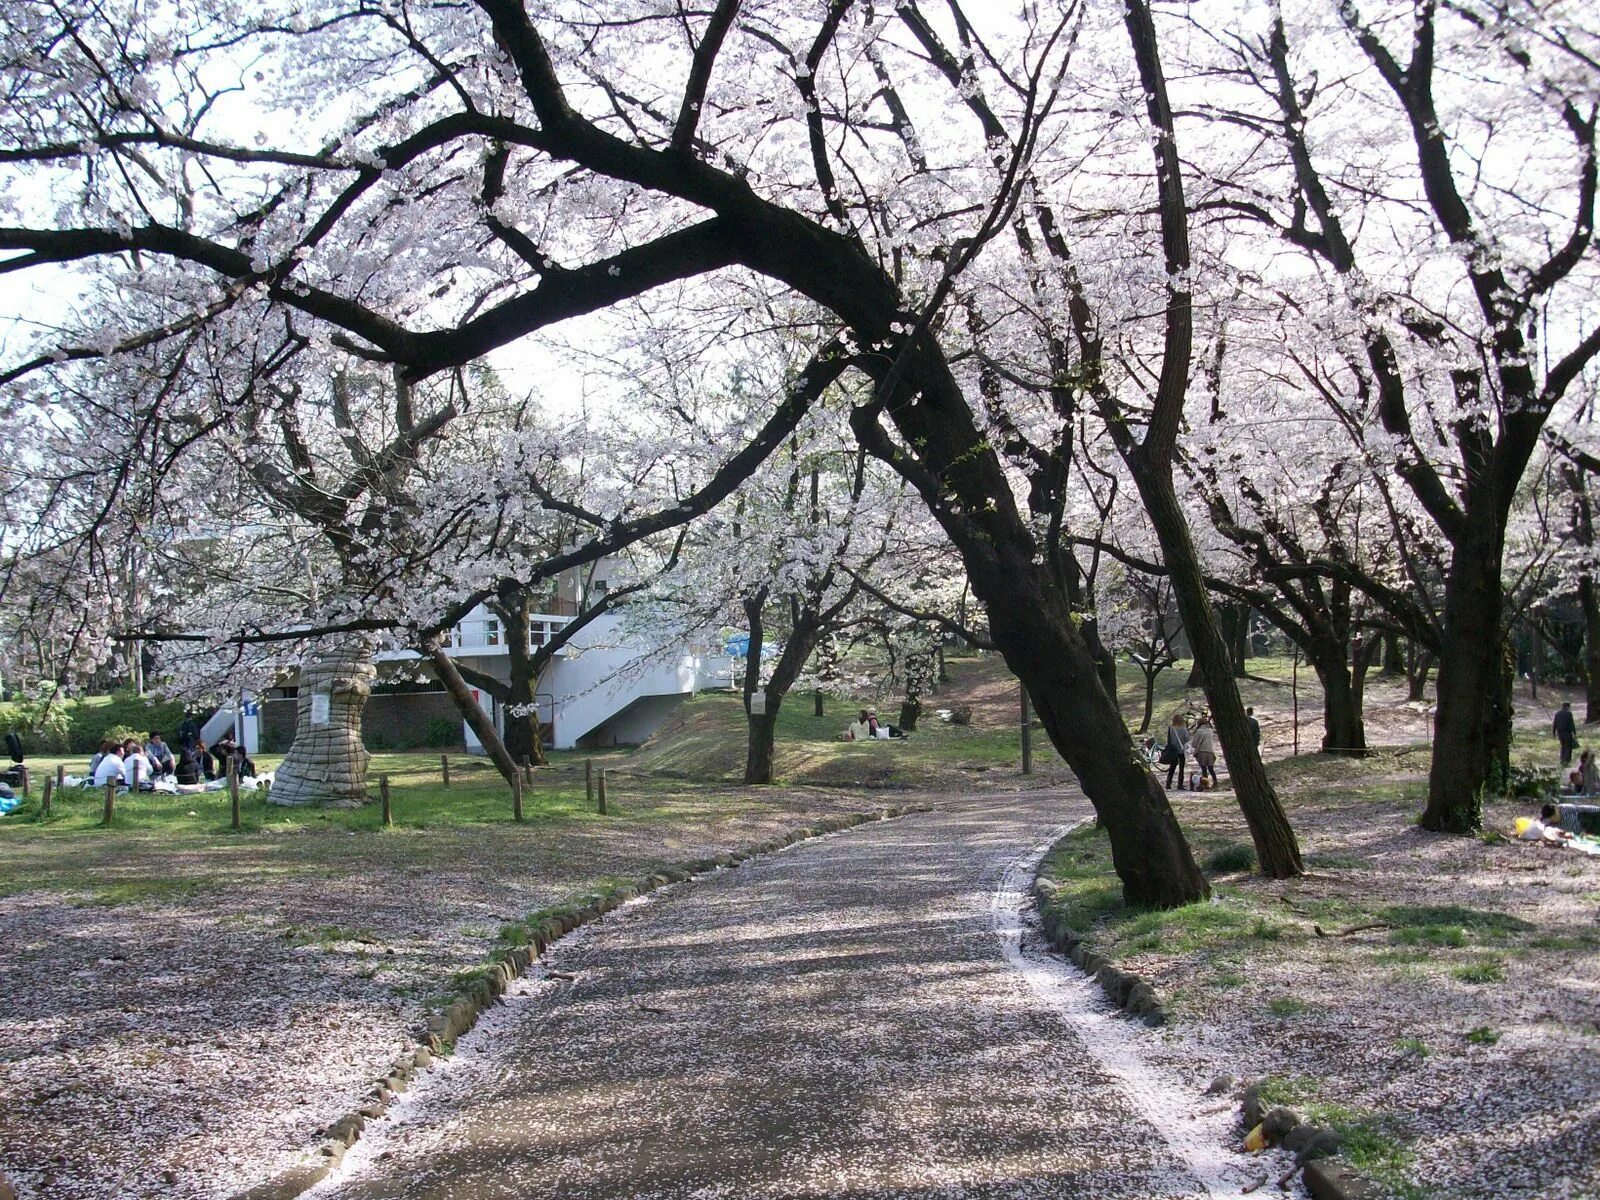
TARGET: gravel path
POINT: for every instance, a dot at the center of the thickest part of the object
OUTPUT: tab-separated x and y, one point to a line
851	1017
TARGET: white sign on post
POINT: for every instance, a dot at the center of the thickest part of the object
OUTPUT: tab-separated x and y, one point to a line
321	708
758	704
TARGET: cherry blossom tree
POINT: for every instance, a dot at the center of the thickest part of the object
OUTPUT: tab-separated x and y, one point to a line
490	170
1449	246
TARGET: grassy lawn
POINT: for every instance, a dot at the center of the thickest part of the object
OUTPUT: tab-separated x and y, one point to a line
706	740
170	847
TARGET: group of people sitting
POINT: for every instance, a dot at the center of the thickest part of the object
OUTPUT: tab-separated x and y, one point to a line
134	766
866	727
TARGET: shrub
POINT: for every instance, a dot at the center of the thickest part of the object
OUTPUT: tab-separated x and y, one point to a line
44	727
441	731
93	721
1532	781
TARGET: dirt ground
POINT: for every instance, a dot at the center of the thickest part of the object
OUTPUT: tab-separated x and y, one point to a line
1438	997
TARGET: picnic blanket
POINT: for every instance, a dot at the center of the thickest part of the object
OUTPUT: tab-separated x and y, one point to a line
9	804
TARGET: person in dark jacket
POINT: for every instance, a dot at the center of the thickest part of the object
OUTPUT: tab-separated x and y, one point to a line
1176	750
189	732
221	752
1565	728
188	770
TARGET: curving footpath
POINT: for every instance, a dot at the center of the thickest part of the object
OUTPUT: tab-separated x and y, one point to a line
850	1017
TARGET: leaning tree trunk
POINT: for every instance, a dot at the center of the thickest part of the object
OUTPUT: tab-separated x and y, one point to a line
467	705
1472	749
328	763
1032	625
1276	848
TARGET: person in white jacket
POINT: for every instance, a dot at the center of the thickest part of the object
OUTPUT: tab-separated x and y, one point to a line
109	768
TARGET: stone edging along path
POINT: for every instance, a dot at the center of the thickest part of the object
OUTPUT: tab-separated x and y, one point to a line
1325	1179
489	982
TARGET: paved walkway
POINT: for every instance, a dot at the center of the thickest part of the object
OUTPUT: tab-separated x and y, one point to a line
845	1018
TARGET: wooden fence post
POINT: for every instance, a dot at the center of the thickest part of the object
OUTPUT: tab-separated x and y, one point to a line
44	801
383	794
516	795
527	768
602	793
111	801
444	768
61	776
588	781
27	784
233	791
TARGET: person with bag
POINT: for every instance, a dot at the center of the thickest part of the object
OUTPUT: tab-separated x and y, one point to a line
1205	752
1176	750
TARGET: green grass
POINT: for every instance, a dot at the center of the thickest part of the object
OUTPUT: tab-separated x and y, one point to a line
1230	859
1483	1036
171	848
706	740
1286	1006
1485	970
1374	1145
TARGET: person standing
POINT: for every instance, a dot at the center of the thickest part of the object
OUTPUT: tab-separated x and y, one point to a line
1205	751
1176	751
188	732
1255	727
1565	728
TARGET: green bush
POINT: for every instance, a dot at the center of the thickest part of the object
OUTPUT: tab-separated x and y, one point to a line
1533	781
45	728
441	732
126	712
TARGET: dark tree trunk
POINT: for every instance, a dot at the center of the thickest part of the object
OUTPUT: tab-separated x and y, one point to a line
1418	665
1276	849
522	738
762	727
763	730
1197	677
1589	599
1031	624
1236	626
910	711
1343	729
1394	660
944	671
816	704
1105	661
1472	749
1149	697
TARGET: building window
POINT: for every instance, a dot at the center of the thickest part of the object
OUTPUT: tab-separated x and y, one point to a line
491	632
